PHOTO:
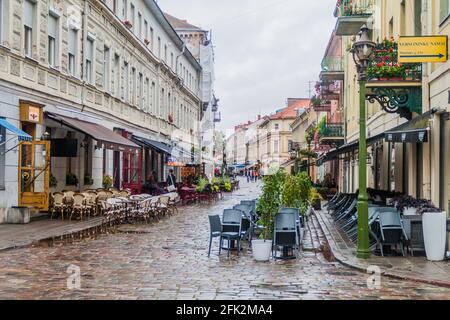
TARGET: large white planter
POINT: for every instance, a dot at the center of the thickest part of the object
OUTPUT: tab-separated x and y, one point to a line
434	234
409	211
261	249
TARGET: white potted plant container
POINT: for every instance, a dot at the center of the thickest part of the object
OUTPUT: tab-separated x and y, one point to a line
434	234
261	249
409	211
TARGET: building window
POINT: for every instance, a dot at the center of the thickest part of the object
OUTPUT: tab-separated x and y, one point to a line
139	25
73	39
132	17
153	98
161	103
277	126
116	71
89	61
159	47
147	100
146	29
133	86
276	146
106	69
141	91
124	9
165	53
151	39
114	6
171	60
52	39
125	87
444	10
28	18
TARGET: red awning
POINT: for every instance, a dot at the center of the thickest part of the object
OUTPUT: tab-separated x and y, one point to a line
105	137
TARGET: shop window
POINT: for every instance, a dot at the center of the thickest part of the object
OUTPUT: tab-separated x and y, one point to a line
392	167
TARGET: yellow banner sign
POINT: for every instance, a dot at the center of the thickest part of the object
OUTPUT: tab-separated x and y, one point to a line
422	49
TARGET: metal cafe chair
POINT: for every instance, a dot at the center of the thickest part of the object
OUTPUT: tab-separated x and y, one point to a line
231	228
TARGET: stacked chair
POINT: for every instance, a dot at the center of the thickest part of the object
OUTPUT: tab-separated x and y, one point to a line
385	224
237	224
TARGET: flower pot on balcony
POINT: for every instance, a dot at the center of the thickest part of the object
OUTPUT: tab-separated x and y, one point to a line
434	234
261	249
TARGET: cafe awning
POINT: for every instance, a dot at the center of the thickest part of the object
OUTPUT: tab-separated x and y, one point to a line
346	148
21	135
105	137
413	131
161	147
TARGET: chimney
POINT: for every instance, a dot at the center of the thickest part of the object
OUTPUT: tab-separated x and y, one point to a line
249	122
259	117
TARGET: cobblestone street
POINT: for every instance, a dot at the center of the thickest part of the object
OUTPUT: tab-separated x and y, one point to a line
168	260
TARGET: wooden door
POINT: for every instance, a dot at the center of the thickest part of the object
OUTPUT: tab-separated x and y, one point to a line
34	174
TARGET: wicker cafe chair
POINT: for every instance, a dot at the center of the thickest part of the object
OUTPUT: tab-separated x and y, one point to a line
79	205
164	206
58	206
154	209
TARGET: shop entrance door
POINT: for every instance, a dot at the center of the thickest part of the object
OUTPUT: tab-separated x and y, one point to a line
34	174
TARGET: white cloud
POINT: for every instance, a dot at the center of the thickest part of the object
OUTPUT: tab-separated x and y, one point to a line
266	50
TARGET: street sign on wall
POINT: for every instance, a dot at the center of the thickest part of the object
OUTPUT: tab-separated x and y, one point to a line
423	49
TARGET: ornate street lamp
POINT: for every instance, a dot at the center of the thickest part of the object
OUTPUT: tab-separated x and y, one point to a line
362	51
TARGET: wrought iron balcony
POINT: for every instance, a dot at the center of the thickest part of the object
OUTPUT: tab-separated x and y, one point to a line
330	90
397	87
332	134
332	69
352	14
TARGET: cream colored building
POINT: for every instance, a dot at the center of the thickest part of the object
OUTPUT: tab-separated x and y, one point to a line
419	167
275	136
111	65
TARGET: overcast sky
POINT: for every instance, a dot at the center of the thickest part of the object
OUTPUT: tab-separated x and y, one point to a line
266	50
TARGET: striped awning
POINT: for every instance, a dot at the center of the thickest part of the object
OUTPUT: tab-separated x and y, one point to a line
21	135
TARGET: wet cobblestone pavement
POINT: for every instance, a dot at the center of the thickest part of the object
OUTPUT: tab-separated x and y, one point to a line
168	260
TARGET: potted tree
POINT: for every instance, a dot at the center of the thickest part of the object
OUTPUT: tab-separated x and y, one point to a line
268	206
316	199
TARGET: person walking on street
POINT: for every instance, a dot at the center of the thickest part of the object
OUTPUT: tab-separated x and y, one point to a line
171	181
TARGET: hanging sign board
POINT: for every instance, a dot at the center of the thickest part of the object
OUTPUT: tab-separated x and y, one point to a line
423	49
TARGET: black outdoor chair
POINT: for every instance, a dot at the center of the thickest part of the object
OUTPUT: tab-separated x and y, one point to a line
391	229
285	234
231	228
215	230
298	219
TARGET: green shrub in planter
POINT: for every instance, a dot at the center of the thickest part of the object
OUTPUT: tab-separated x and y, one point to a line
107	182
71	179
88	181
270	201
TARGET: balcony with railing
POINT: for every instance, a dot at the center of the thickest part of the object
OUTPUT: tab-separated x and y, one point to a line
331	133
352	14
396	86
332	68
329	90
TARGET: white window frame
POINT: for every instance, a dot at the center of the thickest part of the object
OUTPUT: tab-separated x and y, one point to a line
107	68
72	56
53	51
89	60
28	29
